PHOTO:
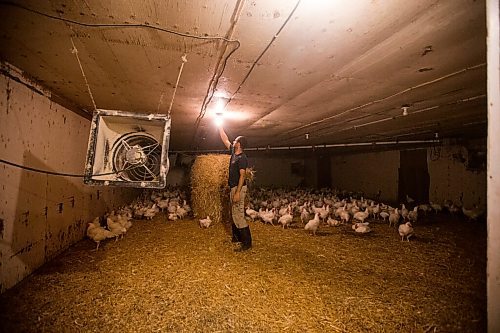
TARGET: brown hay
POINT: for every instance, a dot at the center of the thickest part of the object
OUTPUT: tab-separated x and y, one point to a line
210	191
177	277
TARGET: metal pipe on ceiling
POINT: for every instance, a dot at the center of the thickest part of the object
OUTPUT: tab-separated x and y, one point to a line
336	145
413	112
316	122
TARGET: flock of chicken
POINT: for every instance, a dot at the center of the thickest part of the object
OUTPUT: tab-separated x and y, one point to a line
115	224
309	209
335	208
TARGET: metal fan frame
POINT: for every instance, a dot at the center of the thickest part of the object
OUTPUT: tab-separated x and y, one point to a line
123	143
161	181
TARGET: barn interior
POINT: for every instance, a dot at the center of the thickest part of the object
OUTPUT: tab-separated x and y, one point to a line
368	103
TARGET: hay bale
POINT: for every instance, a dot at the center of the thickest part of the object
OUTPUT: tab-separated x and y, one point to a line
210	192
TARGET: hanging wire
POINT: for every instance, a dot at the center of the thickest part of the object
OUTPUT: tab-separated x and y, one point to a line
75	52
215	79
184	60
120	25
264	51
60	173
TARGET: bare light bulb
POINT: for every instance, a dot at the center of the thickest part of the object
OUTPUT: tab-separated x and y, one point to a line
219	119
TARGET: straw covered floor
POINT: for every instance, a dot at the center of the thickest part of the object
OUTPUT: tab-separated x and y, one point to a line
176	277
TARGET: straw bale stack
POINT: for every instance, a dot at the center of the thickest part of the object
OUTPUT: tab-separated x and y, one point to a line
210	191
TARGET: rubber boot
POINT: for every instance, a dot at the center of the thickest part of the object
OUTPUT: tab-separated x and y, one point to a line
246	239
236	234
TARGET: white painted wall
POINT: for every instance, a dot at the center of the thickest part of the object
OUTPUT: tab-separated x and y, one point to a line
368	173
42	215
493	251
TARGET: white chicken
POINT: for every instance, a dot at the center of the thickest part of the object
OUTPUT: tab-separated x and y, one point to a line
162	204
425	208
473	214
394	218
313	224
253	214
115	227
205	223
332	222
437	207
361	216
286	220
384	215
181	212
404	212
186	207
172	206
413	215
406	230
409	199
149	213
324	213
284	210
344	215
304	215
98	233
267	216
375	211
362	228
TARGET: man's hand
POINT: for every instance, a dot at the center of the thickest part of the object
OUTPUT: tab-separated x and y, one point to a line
236	197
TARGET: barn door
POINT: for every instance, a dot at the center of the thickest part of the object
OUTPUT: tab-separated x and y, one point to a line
413	176
324	171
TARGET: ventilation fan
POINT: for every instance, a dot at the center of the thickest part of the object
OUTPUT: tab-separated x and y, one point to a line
128	149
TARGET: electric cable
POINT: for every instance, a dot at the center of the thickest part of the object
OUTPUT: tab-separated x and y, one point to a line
263	52
59	173
219	70
216	78
119	25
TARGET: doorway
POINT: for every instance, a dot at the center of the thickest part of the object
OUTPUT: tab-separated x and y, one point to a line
324	168
414	177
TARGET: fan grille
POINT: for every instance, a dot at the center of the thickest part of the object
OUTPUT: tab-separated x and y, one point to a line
137	157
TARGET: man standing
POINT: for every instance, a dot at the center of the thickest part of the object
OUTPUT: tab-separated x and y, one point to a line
237	170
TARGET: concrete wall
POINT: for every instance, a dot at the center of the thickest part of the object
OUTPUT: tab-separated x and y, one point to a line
367	172
42	215
449	176
275	172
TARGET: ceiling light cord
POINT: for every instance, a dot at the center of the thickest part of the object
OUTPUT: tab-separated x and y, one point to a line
211	89
263	52
209	96
219	70
184	60
74	50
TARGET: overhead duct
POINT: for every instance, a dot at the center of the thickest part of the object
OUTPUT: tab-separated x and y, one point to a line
128	149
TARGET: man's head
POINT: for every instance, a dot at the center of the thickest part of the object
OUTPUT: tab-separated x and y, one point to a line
242	141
